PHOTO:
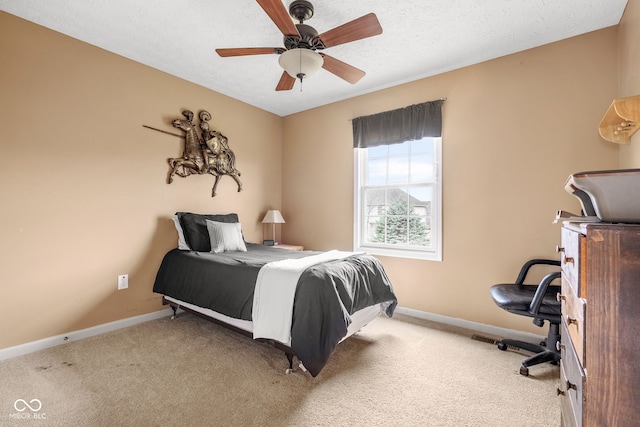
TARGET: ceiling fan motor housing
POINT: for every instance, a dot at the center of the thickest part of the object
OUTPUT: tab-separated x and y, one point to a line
308	39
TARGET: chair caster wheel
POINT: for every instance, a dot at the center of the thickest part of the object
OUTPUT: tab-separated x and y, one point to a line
524	371
502	346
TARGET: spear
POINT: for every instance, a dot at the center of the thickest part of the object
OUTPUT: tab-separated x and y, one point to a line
163	131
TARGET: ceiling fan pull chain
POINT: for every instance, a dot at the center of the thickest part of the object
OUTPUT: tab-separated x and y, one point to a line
300	75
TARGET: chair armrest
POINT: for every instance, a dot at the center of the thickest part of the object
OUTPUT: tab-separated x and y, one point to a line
536	302
527	265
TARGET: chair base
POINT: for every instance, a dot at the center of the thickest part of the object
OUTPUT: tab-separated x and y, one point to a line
542	354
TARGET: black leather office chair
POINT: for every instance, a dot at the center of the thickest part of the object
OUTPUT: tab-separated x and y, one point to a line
537	301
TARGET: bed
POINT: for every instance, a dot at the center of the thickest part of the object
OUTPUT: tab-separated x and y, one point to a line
216	274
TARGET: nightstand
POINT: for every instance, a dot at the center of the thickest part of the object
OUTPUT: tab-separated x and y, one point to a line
289	247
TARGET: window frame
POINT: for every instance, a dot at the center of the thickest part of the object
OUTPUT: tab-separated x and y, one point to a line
432	254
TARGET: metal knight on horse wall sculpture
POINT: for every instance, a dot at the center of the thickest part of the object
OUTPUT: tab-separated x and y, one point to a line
205	152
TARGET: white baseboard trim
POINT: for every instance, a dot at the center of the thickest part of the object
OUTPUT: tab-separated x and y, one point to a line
30	347
473	326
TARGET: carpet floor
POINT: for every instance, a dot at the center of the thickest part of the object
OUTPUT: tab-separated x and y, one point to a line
189	371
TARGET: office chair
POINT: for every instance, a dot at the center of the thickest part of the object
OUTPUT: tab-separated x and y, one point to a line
537	301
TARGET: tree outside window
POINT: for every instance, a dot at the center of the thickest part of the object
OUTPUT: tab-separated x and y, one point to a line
402	225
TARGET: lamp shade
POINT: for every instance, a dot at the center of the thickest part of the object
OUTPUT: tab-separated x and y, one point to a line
301	63
273	217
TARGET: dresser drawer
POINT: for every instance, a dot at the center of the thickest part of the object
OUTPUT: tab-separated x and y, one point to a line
572	381
568	415
571	259
573	317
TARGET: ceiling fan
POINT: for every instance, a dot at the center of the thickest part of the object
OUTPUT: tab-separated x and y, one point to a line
299	57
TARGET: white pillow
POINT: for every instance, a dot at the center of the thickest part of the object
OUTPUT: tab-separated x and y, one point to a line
182	243
226	237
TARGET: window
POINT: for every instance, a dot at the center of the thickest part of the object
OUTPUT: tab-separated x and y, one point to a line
398	206
398	182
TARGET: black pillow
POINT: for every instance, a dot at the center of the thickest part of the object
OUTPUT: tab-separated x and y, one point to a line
194	227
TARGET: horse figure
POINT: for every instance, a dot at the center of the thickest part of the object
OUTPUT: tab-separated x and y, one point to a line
210	154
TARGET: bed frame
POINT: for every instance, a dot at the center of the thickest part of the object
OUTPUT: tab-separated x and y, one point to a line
359	319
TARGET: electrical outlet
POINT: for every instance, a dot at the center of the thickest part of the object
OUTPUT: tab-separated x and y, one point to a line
123	281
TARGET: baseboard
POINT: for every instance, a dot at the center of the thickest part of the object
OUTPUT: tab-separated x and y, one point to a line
30	347
473	326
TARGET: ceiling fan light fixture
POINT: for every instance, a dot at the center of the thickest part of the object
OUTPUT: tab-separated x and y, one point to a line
301	63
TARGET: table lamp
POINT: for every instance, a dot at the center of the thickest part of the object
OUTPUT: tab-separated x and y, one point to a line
272	217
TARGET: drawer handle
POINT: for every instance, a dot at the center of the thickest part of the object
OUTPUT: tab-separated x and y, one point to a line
559	249
568	260
559	346
570	386
560	297
571	320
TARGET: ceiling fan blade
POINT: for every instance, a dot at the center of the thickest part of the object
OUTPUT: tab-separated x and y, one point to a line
280	16
286	82
361	28
243	51
341	69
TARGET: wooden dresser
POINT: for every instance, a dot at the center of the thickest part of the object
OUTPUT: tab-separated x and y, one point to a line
600	366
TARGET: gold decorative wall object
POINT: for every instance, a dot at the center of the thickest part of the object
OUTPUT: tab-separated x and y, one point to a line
621	120
206	151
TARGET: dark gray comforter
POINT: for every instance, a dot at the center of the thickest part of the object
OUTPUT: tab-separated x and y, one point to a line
225	283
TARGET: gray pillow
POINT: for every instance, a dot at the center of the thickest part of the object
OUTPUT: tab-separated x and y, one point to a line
226	237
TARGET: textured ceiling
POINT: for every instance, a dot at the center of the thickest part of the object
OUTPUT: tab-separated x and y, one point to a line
420	38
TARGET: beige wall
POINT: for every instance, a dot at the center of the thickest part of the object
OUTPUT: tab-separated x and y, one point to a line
84	196
629	50
514	129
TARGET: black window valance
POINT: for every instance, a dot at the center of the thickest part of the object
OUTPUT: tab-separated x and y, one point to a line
397	126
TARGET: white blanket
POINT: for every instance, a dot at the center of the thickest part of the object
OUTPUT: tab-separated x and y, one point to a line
275	290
